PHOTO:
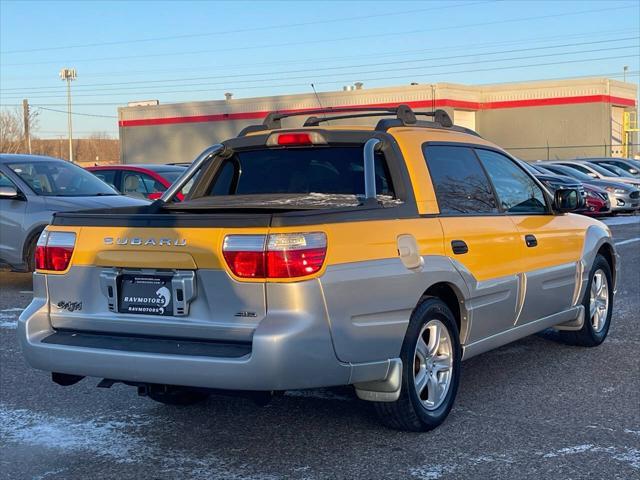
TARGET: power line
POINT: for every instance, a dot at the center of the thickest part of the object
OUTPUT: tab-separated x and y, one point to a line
245	30
634	73
324	40
75	113
316	60
359	74
46	89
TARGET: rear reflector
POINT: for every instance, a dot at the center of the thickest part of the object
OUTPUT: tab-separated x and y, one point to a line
282	255
54	250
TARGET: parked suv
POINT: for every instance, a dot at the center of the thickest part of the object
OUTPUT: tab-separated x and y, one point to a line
32	188
317	256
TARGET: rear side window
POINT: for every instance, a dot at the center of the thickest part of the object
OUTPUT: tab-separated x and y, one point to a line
5	182
461	185
333	170
516	191
107	176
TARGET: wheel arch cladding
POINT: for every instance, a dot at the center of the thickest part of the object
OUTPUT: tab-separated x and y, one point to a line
598	241
607	251
453	298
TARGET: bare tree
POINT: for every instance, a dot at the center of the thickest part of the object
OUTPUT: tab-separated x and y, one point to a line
12	138
10	132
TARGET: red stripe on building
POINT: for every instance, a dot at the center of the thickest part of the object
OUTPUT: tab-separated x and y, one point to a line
443	102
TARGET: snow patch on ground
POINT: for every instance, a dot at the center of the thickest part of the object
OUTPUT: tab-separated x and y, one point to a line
113	439
434	472
9	318
628	455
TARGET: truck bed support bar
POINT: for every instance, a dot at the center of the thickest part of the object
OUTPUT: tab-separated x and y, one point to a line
207	153
370	148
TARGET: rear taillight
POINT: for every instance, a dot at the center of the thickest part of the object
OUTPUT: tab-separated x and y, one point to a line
281	255
245	255
54	250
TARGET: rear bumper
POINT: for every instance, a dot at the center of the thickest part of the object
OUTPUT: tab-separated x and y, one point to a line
291	348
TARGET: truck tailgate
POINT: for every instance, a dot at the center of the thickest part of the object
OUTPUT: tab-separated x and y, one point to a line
114	264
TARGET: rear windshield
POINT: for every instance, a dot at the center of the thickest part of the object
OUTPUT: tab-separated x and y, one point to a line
325	170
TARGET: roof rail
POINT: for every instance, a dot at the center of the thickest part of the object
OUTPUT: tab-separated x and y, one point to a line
404	116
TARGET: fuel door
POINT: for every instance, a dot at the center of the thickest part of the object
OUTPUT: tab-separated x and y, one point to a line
409	253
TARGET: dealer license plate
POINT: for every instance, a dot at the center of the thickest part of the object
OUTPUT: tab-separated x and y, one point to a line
145	294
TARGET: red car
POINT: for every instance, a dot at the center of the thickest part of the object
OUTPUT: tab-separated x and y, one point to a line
597	201
141	181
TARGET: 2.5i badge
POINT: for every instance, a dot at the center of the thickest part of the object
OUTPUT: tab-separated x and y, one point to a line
150	295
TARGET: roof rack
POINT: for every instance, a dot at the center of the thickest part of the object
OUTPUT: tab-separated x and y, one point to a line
405	116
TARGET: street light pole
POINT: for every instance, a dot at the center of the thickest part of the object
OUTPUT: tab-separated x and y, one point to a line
68	75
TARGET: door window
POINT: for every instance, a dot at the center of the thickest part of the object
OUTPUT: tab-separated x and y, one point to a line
461	185
107	176
5	181
517	192
133	185
580	168
151	184
136	184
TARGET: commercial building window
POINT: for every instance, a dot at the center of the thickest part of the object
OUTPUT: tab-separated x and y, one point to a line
517	192
461	185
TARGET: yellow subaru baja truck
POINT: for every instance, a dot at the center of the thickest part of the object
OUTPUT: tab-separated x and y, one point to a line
378	257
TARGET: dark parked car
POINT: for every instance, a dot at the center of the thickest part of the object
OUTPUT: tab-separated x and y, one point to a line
599	172
140	181
32	188
626	164
623	197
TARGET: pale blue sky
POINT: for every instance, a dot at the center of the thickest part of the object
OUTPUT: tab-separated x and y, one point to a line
180	51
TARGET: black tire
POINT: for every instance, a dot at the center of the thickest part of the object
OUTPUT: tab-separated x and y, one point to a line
408	412
172	395
30	260
588	335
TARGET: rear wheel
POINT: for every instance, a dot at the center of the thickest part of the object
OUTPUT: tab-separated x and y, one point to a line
172	395
598	305
430	370
30	260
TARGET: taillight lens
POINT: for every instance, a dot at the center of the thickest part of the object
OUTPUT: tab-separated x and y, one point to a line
282	255
245	255
292	255
54	250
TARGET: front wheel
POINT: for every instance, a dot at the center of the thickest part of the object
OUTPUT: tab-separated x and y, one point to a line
430	370
598	305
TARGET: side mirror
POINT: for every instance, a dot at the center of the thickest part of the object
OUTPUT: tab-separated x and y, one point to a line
9	192
567	200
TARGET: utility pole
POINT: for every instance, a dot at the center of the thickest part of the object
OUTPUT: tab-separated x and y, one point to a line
68	75
26	121
625	69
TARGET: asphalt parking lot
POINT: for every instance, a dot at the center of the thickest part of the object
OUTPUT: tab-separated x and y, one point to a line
532	409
